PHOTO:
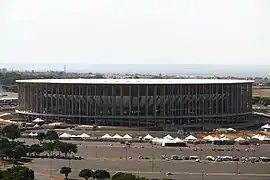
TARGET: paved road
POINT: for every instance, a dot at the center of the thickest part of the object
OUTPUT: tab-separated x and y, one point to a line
175	176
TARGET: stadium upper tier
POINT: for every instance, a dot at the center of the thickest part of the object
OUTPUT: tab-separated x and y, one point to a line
135	81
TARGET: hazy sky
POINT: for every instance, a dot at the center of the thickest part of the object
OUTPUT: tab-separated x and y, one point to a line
135	31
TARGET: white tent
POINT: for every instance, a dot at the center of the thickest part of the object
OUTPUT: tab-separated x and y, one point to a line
231	130
209	137
178	140
240	139
83	135
117	136
168	137
65	135
215	139
148	137
75	136
127	136
36	126
190	138
224	139
32	134
264	138
106	136
167	141
257	136
38	120
267	126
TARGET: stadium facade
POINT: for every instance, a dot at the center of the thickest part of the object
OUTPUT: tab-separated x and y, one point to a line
136	102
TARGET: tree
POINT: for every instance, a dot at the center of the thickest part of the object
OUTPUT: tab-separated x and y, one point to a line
11	131
124	176
18	173
68	148
52	135
86	173
49	147
41	136
66	171
36	149
101	175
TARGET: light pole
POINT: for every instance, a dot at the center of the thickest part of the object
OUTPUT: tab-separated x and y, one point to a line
126	152
96	152
50	167
237	167
202	174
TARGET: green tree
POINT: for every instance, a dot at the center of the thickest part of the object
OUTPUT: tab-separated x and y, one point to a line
41	136
101	175
86	173
66	171
18	173
68	148
11	131
37	149
52	135
49	147
124	176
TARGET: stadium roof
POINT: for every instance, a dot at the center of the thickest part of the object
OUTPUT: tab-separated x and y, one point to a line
134	81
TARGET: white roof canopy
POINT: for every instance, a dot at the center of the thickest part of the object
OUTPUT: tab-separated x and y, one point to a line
231	129
257	136
38	120
240	139
117	136
264	138
168	137
127	136
36	126
209	137
190	138
106	136
224	139
65	135
32	134
83	135
267	126
135	81
148	137
178	140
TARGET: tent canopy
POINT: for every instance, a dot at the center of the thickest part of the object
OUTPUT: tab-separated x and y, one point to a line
36	126
190	138
83	135
209	137
106	136
224	139
117	136
240	139
267	126
38	120
127	136
32	134
168	137
178	140
231	129
148	137
65	135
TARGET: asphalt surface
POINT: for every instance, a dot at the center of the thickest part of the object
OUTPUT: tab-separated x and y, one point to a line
113	159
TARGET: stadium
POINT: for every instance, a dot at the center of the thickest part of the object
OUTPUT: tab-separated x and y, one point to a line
136	102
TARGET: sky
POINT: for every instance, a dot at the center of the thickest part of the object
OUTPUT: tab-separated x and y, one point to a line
83	33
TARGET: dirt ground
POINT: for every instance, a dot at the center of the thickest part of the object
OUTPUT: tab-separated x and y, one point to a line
257	92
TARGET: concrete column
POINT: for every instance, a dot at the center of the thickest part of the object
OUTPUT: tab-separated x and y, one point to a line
155	102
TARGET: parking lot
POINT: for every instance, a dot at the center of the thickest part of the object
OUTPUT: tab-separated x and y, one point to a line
115	157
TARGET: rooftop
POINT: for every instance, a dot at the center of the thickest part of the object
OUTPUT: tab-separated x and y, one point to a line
134	81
